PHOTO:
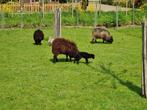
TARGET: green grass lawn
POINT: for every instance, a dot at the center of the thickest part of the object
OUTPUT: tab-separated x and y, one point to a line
30	81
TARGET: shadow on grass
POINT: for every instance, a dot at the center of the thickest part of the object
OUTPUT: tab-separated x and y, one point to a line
128	84
100	42
72	61
60	60
37	44
107	70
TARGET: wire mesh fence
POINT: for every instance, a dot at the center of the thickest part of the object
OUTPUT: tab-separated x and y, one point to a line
35	14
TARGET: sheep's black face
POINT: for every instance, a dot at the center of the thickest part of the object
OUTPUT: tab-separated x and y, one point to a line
109	39
92	56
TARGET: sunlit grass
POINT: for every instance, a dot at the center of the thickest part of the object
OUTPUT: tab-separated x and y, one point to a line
30	81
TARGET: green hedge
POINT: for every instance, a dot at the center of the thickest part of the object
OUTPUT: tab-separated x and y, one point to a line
78	18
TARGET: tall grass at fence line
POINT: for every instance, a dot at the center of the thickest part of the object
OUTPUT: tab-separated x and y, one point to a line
80	17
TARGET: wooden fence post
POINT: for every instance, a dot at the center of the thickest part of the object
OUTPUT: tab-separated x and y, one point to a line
21	10
95	19
116	14
41	11
133	13
58	22
2	17
144	59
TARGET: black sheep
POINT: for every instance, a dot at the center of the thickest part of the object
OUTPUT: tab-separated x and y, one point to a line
86	56
38	37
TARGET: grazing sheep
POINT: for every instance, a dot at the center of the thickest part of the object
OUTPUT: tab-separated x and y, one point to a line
101	33
64	46
38	37
86	56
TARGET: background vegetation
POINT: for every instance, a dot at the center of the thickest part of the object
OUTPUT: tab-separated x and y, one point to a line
79	18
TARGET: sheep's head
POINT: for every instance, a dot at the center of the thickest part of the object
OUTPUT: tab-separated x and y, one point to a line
50	40
92	56
109	39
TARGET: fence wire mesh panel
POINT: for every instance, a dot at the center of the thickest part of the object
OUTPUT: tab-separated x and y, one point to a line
32	14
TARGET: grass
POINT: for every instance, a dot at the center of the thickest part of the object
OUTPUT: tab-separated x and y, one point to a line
79	18
30	81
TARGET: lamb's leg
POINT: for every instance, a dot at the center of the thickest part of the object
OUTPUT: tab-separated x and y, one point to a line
93	40
69	58
66	57
103	40
86	59
76	60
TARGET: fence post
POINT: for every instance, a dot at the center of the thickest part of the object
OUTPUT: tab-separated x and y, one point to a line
117	14
133	9
72	9
95	19
41	10
57	22
144	59
21	10
2	17
127	7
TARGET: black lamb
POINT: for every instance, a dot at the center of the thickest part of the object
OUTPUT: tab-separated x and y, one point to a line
85	55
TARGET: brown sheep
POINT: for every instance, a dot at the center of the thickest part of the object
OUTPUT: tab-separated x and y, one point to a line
64	46
101	33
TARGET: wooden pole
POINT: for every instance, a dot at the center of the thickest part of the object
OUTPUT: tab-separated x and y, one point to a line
126	7
41	10
117	14
31	4
100	6
58	22
2	17
77	17
95	20
72	9
21	8
144	59
133	9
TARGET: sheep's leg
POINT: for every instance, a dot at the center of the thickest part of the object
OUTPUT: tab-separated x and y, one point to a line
66	57
86	59
78	61
69	58
94	39
55	58
103	40
74	60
